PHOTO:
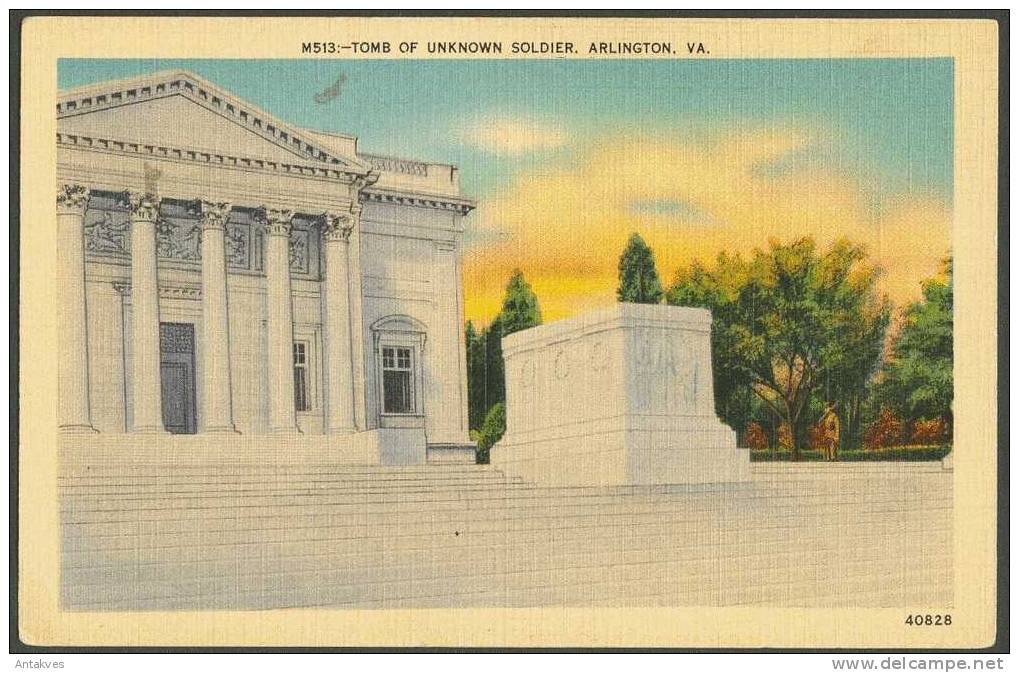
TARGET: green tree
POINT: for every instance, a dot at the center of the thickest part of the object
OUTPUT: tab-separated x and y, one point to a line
789	324
477	388
486	382
520	308
917	381
638	278
495	369
491	431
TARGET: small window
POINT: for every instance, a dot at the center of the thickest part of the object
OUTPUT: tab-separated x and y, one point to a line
397	381
301	398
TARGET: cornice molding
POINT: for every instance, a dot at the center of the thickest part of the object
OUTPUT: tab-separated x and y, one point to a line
187	85
433	201
203	157
165	291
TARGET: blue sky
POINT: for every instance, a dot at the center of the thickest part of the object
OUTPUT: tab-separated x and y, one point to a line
566	157
417	108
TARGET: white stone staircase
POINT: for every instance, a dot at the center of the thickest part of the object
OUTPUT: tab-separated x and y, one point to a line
258	537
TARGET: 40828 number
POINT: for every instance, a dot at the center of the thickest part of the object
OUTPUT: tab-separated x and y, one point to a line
929	620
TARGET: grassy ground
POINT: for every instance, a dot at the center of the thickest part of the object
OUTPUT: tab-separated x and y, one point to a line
895	453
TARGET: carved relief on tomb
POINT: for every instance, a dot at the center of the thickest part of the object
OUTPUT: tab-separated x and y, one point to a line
668	372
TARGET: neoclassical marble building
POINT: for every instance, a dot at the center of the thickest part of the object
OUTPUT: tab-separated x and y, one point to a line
224	275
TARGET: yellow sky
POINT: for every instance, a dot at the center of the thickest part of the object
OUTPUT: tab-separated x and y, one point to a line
566	224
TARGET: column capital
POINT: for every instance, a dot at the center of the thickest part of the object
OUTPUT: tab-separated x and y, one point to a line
72	199
214	214
278	221
337	226
144	206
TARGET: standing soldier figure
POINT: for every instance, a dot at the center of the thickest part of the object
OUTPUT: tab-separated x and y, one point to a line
829	427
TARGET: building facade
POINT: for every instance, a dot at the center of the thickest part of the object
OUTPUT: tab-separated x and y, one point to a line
224	274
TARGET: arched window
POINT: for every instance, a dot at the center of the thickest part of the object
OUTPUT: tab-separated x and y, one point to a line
399	347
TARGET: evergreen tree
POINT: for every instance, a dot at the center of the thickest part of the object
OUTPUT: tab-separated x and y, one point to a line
519	306
486	383
476	383
495	372
491	431
638	278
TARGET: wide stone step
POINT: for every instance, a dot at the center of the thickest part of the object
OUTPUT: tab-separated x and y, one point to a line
467	536
128	492
665	527
225	478
336	586
78	471
211	506
211	495
414	506
930	588
127	565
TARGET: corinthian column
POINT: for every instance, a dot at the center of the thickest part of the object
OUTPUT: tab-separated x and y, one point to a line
340	392
72	390
147	393
217	407
280	319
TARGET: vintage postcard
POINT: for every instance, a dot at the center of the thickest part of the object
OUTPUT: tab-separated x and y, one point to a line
512	332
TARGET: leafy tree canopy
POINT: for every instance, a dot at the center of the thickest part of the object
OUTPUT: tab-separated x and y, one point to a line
918	377
790	323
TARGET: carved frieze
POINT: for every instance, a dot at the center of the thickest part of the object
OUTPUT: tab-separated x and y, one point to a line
179	225
179	239
299	259
238	246
107	232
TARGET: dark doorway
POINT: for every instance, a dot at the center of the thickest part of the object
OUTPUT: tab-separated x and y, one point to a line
177	374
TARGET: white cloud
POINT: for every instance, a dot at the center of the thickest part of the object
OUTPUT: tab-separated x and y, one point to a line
511	137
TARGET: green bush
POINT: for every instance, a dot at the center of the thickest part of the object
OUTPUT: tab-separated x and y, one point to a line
491	431
892	453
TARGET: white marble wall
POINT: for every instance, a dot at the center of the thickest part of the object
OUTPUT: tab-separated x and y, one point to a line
401	274
618	396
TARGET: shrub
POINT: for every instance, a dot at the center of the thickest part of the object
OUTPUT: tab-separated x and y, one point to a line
886	430
926	432
785	437
491	431
755	437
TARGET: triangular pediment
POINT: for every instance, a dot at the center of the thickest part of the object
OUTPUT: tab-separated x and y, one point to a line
178	109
